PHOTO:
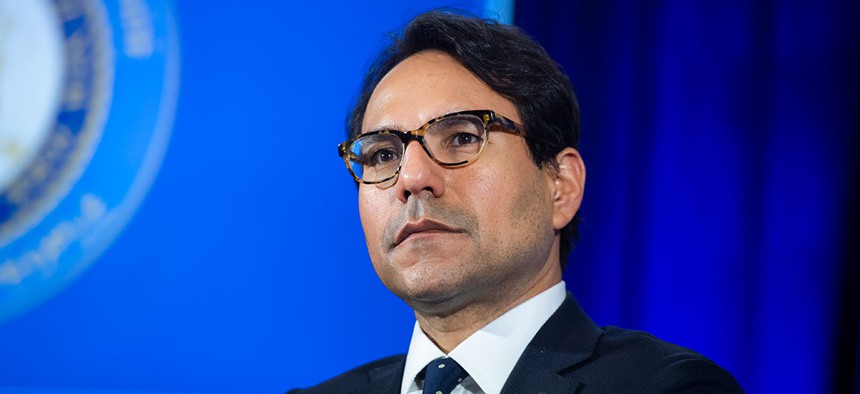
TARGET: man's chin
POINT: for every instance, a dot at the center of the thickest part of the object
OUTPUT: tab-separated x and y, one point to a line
424	255
435	284
438	301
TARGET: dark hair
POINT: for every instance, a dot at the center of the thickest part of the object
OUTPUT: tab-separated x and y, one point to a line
508	61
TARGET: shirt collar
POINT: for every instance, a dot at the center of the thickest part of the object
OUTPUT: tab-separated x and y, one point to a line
490	354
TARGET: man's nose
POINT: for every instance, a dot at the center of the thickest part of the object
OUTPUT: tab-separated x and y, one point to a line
418	174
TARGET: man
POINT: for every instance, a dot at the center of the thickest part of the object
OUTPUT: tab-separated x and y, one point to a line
464	143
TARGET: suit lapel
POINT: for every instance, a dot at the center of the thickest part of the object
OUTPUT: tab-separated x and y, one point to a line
385	379
566	339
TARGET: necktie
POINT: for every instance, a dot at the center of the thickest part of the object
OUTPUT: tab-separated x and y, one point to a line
442	375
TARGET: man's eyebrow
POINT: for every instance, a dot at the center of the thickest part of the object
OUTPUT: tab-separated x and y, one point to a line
385	126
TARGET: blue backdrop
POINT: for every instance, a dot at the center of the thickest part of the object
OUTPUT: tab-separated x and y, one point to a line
247	252
720	146
721	205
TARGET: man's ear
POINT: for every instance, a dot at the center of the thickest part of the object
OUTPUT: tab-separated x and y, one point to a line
568	186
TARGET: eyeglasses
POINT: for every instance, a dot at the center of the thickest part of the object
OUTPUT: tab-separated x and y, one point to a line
451	140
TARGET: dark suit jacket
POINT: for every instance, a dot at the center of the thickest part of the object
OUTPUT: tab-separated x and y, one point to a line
570	354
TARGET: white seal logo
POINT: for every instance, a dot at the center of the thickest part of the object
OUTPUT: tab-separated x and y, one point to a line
87	92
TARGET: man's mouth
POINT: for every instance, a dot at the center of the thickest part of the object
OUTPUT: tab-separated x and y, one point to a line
424	226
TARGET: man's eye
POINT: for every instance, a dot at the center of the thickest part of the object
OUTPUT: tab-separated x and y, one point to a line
461	139
383	156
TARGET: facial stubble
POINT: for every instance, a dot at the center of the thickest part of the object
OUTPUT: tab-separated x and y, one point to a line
496	273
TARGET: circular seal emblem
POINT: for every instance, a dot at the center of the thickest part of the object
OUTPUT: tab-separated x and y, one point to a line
87	94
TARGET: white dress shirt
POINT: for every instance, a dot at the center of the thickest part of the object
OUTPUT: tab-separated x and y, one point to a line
490	354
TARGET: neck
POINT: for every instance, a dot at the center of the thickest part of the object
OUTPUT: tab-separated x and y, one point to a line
449	330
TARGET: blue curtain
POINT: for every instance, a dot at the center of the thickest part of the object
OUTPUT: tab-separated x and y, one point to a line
721	204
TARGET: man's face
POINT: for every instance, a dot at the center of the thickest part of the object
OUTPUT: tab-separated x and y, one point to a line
446	238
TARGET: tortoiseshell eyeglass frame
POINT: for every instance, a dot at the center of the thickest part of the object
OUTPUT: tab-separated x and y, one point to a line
488	117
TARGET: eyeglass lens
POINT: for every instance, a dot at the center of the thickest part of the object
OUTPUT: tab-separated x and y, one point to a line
450	141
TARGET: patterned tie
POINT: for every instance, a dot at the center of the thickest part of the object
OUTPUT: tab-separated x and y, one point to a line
442	375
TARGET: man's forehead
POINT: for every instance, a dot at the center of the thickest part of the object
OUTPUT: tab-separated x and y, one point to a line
425	86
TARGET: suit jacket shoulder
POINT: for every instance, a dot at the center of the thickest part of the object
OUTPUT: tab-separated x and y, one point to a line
570	354
380	376
652	366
